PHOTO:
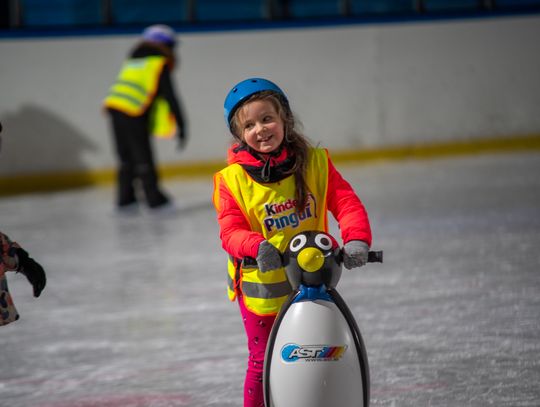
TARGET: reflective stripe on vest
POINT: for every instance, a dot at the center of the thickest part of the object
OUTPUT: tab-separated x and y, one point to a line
268	291
136	85
271	210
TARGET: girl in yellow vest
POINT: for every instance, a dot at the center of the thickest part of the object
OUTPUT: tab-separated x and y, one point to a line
275	185
141	103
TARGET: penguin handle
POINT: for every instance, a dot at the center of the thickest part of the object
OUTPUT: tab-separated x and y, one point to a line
375	256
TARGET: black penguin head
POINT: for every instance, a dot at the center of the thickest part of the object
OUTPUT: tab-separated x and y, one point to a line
312	258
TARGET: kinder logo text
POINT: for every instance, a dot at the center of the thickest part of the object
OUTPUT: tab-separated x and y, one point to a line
284	214
293	352
275	208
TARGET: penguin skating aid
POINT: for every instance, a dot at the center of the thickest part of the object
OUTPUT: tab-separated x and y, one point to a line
315	355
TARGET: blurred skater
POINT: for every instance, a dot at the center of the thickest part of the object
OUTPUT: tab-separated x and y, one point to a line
276	185
141	103
15	258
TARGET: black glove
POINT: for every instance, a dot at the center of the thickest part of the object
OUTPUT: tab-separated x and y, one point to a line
32	270
182	138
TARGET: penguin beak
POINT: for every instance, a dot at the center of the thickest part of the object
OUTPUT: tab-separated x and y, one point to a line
310	259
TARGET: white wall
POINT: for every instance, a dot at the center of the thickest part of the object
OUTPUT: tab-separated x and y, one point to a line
351	86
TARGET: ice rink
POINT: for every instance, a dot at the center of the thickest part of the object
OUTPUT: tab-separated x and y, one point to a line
135	312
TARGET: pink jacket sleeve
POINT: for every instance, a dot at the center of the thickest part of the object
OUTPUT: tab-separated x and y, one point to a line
235	232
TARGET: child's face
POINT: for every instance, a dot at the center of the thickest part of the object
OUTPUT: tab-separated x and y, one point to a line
261	126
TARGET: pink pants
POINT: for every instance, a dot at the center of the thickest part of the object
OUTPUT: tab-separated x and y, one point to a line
257	330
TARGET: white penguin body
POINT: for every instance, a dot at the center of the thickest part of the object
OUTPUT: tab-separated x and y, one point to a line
315	355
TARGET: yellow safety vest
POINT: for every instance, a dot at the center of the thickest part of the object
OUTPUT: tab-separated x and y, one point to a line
134	91
136	85
271	210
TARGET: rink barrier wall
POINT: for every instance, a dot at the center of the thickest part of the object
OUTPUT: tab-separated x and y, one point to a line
359	87
59	181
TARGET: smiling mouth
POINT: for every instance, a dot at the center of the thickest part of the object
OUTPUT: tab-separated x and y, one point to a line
265	139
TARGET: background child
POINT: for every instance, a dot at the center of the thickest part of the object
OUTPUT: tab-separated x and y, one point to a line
144	84
15	258
275	185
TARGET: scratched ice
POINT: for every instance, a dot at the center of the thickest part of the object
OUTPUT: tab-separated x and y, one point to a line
135	312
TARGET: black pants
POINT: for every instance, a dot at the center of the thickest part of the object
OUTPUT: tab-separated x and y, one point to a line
136	161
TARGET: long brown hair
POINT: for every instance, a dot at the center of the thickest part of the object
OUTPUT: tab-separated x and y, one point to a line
294	141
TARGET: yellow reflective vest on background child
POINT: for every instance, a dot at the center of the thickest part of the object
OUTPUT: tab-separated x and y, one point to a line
134	91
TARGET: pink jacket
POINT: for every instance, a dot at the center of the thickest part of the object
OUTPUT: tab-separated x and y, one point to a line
239	241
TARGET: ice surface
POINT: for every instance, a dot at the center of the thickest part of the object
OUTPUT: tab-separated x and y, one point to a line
135	312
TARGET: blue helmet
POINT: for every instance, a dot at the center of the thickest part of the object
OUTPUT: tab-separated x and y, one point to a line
245	89
160	33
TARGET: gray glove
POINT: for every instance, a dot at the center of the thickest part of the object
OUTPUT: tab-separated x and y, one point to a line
355	254
268	257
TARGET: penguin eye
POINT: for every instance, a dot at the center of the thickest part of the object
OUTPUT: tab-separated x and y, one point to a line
323	241
297	243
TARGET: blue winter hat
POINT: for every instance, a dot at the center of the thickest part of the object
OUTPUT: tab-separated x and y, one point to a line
160	33
241	91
